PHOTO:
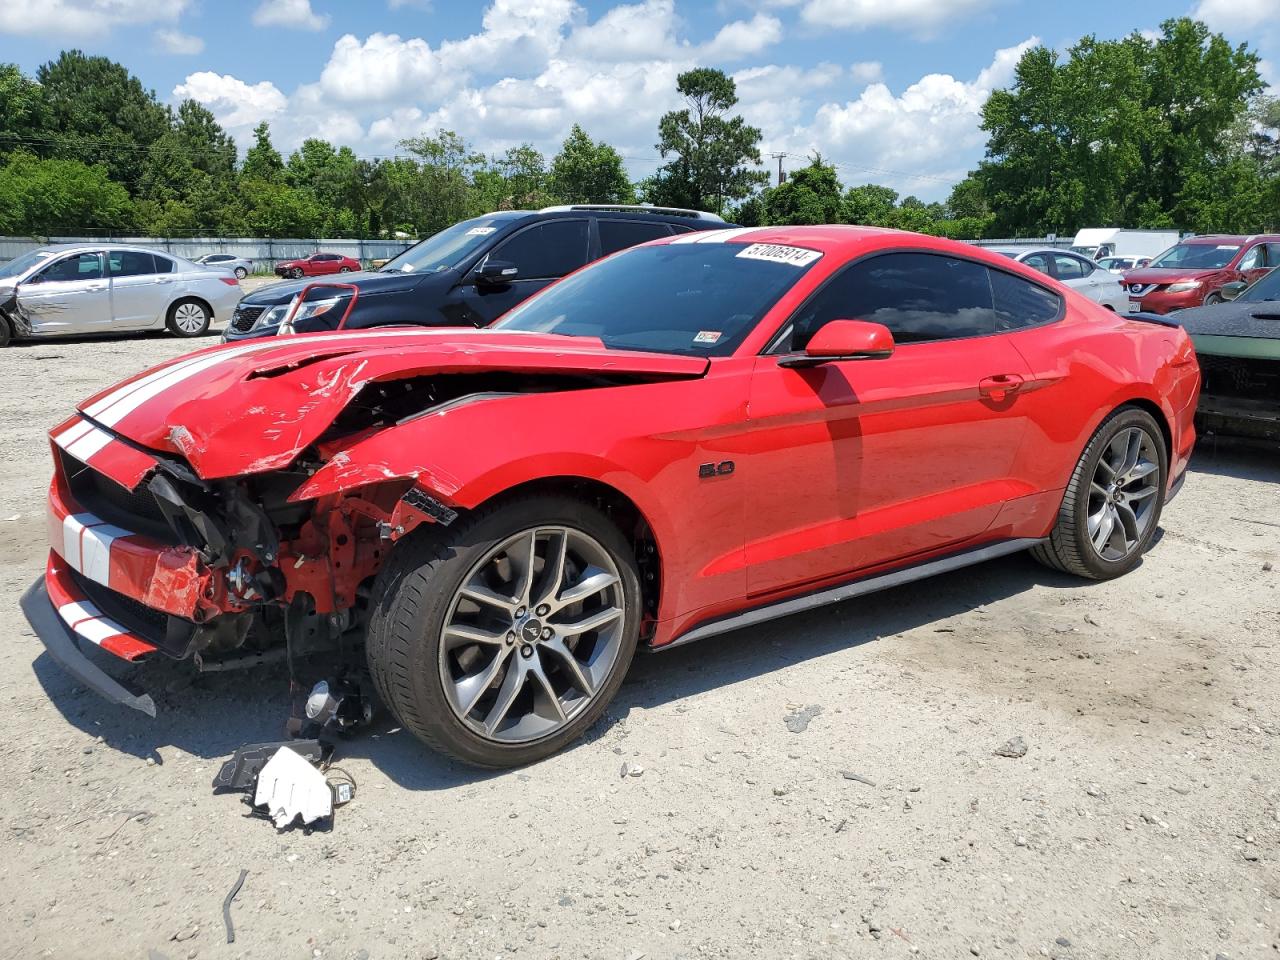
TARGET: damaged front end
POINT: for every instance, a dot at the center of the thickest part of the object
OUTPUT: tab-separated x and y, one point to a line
227	509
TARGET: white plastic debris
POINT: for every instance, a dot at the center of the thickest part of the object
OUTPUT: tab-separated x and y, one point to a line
290	787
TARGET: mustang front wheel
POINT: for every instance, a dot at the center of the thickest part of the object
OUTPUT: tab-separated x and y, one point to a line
1111	508
501	639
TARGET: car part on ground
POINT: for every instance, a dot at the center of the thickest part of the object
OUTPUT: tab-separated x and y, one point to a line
817	412
86	289
473	272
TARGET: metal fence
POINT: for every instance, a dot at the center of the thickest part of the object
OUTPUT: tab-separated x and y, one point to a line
1049	241
264	253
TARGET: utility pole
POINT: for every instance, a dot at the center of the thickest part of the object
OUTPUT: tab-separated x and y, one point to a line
781	176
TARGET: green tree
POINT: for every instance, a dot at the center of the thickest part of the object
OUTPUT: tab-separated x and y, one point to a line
189	178
100	114
808	195
515	180
262	161
53	197
23	115
589	171
333	178
435	192
870	205
711	152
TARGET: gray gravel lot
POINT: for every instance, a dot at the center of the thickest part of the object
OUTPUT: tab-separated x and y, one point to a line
1142	821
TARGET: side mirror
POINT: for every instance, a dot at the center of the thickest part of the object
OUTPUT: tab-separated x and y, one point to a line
844	340
495	272
1233	289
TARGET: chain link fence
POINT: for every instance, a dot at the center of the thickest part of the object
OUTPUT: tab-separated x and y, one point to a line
265	254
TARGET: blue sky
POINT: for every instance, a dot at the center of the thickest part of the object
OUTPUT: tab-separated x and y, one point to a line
890	91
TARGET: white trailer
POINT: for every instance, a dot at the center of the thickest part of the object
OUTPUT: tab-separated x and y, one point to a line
1096	242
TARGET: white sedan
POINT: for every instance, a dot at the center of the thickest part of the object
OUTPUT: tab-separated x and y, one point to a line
1079	273
88	288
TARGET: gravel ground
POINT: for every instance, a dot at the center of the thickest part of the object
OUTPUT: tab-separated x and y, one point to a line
825	786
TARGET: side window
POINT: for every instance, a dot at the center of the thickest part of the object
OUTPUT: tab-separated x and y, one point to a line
547	250
617	235
1254	259
129	263
1020	303
1038	261
84	266
918	296
163	264
1070	268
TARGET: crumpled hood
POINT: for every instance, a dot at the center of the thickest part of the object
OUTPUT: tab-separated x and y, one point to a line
247	408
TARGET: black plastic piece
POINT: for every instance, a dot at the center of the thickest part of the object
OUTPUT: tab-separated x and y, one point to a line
61	643
241	771
429	505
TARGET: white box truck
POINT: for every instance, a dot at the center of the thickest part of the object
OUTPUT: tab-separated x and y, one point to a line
1098	242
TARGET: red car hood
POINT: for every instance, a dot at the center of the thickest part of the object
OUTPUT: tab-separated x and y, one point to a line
246	408
1166	274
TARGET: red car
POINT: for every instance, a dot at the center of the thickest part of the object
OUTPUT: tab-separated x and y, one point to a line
691	436
317	265
1192	273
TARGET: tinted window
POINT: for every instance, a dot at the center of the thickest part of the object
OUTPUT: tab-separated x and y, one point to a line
1038	261
918	296
446	249
1253	260
1197	256
697	298
1071	268
218	258
549	249
1267	288
1020	303
617	235
86	266
129	263
163	264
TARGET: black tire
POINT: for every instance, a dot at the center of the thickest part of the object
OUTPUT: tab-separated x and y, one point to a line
1212	299
241	273
411	599
1069	548
344	269
297	273
6	332
178	329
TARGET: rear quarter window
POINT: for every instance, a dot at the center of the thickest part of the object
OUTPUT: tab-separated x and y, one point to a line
1020	303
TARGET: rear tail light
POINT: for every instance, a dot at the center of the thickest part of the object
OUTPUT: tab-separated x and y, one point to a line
230	281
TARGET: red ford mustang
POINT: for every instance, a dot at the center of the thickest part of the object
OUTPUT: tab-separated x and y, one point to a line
689	437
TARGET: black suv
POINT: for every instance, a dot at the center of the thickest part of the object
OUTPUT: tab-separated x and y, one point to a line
468	274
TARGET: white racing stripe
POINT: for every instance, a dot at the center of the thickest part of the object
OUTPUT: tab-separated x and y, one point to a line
716	236
95	551
90	622
84	447
73	525
118	404
77	611
72	433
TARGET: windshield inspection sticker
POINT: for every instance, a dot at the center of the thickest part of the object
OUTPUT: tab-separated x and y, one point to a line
480	231
707	336
778	253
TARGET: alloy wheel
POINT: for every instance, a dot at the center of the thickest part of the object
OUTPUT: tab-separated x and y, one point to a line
1123	494
532	634
189	317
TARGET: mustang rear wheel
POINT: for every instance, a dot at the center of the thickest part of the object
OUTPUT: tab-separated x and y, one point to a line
1111	508
502	638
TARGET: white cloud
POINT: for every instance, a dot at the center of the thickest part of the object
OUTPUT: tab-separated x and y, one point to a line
916	141
914	15
648	31
296	14
384	67
868	71
235	103
1237	16
79	18
743	38
177	42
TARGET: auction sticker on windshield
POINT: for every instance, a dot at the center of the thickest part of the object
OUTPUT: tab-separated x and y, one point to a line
779	253
480	231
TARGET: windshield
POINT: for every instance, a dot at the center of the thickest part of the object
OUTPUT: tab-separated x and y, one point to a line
698	299
1267	288
1085	251
446	249
20	265
1197	256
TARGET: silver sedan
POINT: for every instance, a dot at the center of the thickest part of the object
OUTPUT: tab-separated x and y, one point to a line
240	266
76	289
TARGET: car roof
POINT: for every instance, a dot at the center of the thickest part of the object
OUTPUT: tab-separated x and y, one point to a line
1233	238
105	245
696	219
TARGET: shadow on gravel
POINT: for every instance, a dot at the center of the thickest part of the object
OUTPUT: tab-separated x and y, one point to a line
1238	459
212	714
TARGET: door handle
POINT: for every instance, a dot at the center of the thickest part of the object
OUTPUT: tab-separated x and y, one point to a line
999	386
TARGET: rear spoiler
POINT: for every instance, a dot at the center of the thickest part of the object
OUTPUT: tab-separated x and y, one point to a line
1153	318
